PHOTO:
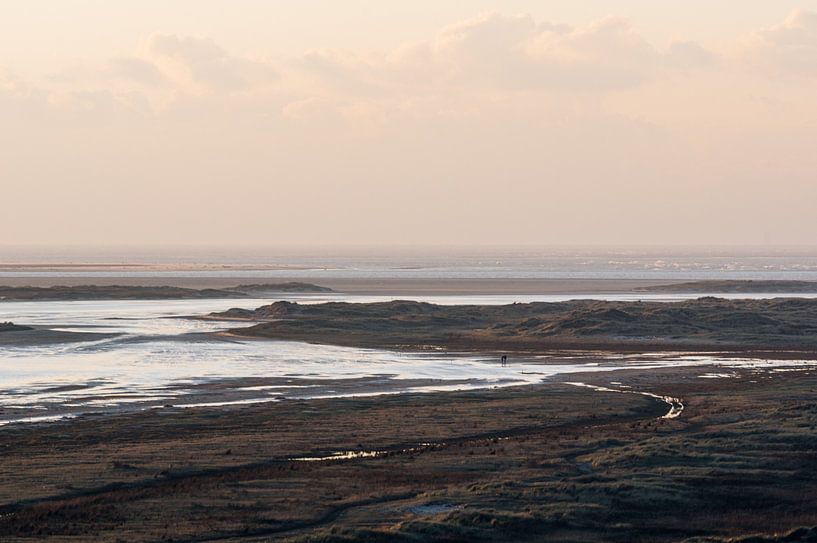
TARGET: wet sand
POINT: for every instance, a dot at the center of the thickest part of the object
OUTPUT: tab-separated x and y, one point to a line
552	462
85	400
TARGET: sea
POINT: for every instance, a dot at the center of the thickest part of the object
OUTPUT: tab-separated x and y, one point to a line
411	262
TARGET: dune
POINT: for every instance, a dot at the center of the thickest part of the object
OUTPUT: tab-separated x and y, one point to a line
135	292
694	324
736	286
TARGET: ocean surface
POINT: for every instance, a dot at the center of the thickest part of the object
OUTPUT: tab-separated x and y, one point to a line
418	262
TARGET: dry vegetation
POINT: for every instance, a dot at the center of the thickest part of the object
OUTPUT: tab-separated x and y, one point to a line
781	323
546	463
11	327
737	286
130	292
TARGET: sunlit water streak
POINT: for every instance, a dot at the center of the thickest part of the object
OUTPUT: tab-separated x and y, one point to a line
155	361
676	405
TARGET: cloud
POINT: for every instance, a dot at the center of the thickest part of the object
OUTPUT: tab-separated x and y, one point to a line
491	58
787	49
137	70
687	55
549	120
604	55
203	65
512	53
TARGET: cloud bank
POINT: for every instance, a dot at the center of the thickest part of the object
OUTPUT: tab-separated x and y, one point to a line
572	134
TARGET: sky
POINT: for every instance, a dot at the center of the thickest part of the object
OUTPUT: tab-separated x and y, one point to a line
427	122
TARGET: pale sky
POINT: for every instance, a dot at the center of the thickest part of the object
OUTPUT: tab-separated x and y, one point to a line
422	122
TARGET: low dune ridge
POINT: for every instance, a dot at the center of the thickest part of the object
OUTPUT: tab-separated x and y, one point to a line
135	292
735	286
705	322
11	327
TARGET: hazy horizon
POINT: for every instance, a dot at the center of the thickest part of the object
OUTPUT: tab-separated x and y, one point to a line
447	123
390	254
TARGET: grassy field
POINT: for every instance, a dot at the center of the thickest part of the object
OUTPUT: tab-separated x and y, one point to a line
705	323
553	462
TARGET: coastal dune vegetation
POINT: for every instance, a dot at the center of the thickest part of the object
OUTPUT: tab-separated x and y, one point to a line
780	323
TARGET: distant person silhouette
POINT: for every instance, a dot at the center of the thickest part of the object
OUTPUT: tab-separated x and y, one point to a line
504	360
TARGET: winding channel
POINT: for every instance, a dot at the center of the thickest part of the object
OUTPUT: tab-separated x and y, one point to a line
676	405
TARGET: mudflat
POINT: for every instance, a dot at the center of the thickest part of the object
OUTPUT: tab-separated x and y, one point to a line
553	462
